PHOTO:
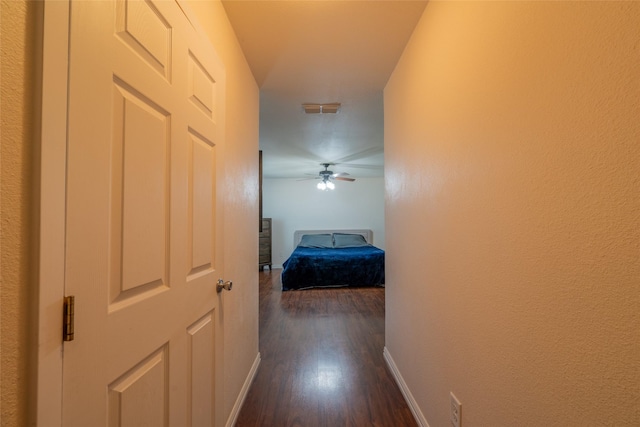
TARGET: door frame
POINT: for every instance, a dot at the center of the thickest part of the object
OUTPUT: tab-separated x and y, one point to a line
51	218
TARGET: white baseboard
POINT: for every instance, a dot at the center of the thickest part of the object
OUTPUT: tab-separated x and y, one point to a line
233	417
413	406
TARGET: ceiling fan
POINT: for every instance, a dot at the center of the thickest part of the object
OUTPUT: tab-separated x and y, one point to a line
327	177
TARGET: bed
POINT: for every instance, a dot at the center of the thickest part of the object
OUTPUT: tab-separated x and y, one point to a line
332	258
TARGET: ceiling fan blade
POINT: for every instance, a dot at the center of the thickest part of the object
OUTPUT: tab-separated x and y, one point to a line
335	175
340	178
361	154
359	166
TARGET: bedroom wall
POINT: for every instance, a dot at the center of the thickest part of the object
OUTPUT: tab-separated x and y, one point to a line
512	165
299	205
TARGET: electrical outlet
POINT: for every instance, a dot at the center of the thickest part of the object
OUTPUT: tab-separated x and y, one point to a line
456	411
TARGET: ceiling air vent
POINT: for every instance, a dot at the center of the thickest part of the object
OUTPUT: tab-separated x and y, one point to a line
321	108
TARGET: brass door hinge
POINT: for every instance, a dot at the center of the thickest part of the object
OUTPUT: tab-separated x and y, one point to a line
67	325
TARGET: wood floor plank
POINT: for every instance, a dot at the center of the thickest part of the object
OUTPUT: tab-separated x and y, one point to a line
322	362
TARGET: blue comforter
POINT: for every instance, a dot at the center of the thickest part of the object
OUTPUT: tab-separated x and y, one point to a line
314	267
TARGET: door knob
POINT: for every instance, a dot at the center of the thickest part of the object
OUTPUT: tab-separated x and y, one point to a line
223	285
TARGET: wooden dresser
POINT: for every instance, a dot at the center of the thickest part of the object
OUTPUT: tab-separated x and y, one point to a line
264	254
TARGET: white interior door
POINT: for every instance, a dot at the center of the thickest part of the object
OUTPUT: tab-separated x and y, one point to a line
143	237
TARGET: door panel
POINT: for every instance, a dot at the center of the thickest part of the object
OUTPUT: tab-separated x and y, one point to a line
144	29
201	194
139	195
141	396
200	388
143	233
201	87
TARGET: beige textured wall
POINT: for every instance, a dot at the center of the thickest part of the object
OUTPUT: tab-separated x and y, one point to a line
238	313
512	165
17	74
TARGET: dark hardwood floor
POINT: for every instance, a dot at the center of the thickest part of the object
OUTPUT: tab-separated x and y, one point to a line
322	362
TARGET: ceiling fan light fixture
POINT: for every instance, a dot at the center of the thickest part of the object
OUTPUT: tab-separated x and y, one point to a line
326	178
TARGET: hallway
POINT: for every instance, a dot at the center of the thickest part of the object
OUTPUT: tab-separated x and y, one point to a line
322	362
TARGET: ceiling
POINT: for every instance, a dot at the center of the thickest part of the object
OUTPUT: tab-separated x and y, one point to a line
322	52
